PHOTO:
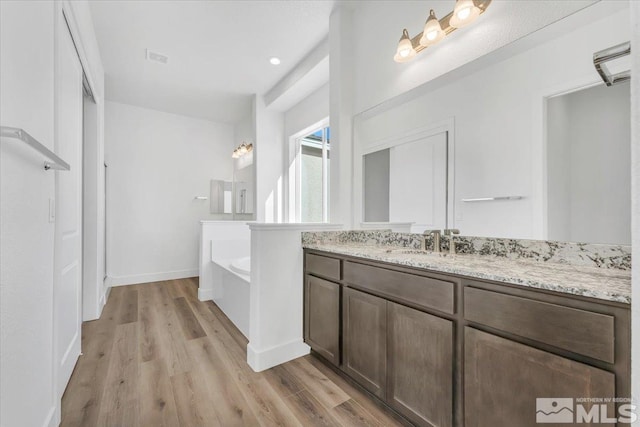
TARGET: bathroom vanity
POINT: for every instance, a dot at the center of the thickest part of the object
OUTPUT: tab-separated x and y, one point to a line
467	340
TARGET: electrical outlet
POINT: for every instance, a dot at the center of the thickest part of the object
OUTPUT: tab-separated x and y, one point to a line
52	210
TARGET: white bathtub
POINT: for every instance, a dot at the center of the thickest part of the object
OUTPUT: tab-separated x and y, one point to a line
224	269
232	290
241	266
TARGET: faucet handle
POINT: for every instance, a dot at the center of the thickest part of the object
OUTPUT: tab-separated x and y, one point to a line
452	244
429	232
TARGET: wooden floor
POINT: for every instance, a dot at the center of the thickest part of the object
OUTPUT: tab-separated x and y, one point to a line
159	357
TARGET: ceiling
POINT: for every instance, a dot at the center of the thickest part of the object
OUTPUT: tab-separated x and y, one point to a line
218	51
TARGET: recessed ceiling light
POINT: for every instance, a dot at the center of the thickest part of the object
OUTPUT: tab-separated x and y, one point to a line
274	61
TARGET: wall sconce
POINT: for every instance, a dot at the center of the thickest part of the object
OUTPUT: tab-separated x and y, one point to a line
464	13
241	150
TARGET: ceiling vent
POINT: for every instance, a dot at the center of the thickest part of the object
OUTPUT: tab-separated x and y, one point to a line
157	57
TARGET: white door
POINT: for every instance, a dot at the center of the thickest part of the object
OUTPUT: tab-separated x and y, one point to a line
68	231
418	183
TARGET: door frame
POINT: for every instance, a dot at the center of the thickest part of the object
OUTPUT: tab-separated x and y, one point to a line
91	69
64	363
360	150
94	290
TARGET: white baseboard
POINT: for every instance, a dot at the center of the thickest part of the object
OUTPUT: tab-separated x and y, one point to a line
151	277
265	359
53	417
205	294
106	291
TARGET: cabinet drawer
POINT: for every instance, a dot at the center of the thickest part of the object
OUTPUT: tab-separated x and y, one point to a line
583	332
323	266
410	288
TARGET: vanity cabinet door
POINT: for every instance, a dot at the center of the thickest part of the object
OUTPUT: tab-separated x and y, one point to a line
322	317
503	379
420	368
365	340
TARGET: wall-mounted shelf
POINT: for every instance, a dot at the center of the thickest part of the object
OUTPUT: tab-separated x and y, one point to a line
53	162
491	199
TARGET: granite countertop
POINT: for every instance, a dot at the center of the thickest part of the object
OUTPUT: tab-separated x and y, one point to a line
601	283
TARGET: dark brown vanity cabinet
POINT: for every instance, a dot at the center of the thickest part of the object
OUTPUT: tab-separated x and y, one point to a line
365	340
420	365
402	355
445	350
322	302
504	379
322	317
551	347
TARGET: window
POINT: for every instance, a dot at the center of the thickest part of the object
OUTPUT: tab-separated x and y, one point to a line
313	190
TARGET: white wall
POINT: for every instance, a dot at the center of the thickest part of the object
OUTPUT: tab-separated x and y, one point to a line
27	32
311	110
588	164
158	162
269	158
276	293
26	251
498	124
379	25
342	36
635	203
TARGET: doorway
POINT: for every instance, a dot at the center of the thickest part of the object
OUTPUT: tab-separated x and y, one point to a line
588	168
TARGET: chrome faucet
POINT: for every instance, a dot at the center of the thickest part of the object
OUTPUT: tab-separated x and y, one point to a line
436	240
452	243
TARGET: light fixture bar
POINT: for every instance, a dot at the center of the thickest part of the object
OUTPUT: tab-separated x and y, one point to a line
241	150
446	26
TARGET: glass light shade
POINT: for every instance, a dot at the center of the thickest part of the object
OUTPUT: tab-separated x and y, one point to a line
235	154
433	31
243	149
464	13
405	51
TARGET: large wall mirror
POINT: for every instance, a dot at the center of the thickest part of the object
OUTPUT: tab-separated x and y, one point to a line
235	197
537	146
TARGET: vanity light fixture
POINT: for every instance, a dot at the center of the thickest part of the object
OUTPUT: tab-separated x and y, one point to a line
241	150
432	32
405	52
464	13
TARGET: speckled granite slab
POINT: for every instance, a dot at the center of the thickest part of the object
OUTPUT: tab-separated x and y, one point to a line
588	255
596	271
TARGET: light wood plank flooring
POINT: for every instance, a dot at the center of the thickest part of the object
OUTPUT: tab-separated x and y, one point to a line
159	357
